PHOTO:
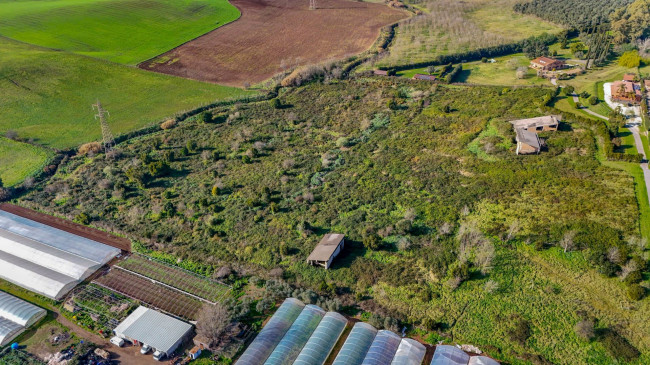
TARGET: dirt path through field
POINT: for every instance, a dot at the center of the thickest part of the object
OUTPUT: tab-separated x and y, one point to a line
274	35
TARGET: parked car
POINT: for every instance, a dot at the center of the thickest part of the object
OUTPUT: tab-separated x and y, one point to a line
145	349
119	342
158	355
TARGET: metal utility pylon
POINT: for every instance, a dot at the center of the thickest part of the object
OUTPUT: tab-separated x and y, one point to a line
312	4
107	136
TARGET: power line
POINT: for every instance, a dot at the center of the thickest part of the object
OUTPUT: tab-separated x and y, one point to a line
107	136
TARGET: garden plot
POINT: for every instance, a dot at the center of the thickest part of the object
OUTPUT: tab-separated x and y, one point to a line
205	288
154	294
102	306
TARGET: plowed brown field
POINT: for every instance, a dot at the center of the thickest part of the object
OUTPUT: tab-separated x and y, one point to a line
272	35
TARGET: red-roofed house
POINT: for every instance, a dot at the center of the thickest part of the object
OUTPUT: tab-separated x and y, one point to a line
547	64
626	92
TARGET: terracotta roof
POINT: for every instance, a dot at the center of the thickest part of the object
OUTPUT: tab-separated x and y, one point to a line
326	247
544	60
630	88
629	77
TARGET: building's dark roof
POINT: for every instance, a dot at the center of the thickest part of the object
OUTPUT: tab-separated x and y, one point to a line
528	137
326	247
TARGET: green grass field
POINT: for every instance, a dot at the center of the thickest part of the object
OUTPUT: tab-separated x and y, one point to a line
123	31
47	95
19	160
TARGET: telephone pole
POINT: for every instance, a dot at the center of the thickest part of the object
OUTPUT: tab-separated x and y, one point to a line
107	136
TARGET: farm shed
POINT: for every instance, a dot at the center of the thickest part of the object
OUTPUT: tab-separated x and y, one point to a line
383	349
47	260
160	331
409	352
15	316
269	337
449	355
322	341
326	250
482	360
297	336
356	346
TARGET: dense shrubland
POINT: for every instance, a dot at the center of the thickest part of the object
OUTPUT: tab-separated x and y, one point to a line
572	13
439	213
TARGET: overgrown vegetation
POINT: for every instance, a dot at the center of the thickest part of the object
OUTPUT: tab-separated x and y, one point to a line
572	13
447	228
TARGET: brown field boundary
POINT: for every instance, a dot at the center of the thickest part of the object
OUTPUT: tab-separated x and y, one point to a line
68	226
272	36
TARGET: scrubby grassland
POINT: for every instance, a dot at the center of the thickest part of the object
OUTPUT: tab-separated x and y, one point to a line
19	160
410	186
124	31
450	26
47	95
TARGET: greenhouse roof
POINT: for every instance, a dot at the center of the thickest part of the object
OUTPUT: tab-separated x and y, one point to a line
44	259
15	315
482	360
263	345
409	352
356	345
19	311
449	355
383	348
323	340
297	336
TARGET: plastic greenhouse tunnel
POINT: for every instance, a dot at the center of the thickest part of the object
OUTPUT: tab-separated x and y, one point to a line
260	349
409	352
383	349
449	355
323	340
482	360
356	346
297	336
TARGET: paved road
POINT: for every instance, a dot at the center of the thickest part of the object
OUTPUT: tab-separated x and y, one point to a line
576	99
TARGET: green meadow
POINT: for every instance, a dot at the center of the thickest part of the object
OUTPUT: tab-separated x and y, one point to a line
47	95
30	158
123	31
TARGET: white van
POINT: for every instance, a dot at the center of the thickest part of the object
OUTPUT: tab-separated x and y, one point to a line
117	341
158	355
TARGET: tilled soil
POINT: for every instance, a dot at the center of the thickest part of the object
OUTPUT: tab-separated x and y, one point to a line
274	35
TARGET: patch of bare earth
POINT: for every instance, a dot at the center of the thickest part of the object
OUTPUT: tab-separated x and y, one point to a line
273	35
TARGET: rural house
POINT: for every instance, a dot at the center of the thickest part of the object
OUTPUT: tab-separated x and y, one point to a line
538	124
629	77
424	77
626	91
526	130
547	64
326	250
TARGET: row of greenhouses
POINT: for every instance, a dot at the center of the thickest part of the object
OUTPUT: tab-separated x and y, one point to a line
306	335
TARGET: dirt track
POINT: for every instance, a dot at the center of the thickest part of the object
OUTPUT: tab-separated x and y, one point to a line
273	35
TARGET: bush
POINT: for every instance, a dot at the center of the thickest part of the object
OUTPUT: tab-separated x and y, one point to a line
276	103
372	242
168	124
89	148
585	329
593	100
618	347
568	90
205	117
634	277
636	292
520	333
584	95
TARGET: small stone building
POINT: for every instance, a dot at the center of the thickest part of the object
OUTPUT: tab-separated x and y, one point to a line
526	130
527	142
326	250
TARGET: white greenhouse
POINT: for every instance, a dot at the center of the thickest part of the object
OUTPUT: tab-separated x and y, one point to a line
15	316
47	260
